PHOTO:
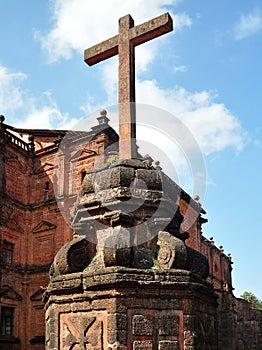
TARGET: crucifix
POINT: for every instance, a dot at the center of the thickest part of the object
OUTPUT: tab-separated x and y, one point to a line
124	44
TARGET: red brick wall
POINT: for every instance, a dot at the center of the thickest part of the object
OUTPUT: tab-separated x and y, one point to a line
32	222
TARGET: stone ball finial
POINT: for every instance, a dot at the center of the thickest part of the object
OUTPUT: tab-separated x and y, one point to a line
31	139
196	198
103	112
102	119
2	118
157	165
148	160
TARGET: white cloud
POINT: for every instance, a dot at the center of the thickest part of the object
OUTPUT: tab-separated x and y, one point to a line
78	24
23	110
207	127
248	24
11	95
213	126
44	113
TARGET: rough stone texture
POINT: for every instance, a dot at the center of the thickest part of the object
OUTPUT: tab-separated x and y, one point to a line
172	252
74	256
124	45
137	309
134	218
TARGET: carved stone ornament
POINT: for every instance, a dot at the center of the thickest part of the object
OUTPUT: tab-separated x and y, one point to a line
171	252
74	256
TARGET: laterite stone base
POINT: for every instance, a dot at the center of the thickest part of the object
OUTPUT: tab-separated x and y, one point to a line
130	309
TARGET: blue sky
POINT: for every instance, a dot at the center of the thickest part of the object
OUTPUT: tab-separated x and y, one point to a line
206	72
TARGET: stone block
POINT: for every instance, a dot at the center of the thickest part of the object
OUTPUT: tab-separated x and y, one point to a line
142	325
169	325
143	345
87	185
121	176
168	345
150	179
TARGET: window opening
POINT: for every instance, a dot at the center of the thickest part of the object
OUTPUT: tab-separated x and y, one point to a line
46	191
83	174
7	316
7	252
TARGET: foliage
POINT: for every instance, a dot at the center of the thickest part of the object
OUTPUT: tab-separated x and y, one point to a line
111	160
252	299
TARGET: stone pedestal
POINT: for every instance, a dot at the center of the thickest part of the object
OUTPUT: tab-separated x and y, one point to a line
130	309
125	283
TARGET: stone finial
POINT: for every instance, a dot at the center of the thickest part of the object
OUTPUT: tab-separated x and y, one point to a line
211	239
2	118
157	165
102	119
197	198
221	249
31	139
147	160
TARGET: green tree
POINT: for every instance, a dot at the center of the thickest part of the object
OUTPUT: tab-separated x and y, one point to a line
252	299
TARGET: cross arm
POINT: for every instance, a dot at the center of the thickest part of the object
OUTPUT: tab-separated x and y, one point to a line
151	29
102	51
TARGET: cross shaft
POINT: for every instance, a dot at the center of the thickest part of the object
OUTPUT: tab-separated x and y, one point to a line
124	44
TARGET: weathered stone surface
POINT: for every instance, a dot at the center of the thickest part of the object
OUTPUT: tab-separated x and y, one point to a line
150	179
171	252
142	325
121	176
143	345
143	257
39	233
83	329
168	345
133	163
197	263
73	256
87	184
169	324
124	45
117	248
137	309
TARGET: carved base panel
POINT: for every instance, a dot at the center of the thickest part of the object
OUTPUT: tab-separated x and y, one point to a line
155	329
130	311
83	330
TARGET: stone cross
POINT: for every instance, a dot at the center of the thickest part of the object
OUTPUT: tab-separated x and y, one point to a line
124	44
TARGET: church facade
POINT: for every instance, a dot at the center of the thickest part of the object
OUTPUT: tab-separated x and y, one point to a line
32	230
